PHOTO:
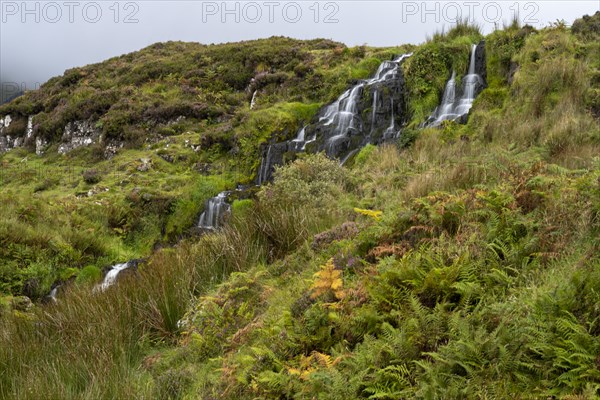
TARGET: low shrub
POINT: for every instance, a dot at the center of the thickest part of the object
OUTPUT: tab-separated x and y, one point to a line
91	176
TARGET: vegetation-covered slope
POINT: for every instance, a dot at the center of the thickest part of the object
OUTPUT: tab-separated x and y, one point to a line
181	111
463	266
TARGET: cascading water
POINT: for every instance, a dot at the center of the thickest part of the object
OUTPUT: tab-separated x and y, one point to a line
390	132
253	101
299	142
343	113
470	83
312	139
264	171
452	108
52	296
214	212
342	121
373	112
111	277
446	109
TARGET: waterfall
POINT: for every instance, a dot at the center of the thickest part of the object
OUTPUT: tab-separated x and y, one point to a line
340	129
214	212
374	111
265	167
390	132
470	84
343	114
52	295
452	108
353	152
346	111
446	109
253	101
312	139
111	277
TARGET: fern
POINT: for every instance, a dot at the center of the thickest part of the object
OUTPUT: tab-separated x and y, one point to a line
328	280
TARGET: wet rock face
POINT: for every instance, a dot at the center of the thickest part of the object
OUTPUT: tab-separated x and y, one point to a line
480	61
390	102
271	156
78	134
371	111
380	112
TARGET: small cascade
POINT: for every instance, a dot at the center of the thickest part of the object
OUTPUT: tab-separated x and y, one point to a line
390	132
446	109
348	156
264	171
111	277
214	212
342	113
253	101
373	112
453	107
312	139
299	142
470	84
52	296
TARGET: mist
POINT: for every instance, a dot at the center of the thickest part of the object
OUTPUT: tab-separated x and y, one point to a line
39	40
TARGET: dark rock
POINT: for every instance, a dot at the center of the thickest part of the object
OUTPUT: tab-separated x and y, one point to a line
31	288
480	61
271	156
514	67
167	157
203	168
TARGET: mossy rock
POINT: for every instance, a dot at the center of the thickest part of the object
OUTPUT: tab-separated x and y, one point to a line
21	303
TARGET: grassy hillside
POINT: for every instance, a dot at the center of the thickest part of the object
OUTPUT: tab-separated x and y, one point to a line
181	112
463	265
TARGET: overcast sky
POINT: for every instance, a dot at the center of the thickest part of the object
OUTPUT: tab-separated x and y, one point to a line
40	39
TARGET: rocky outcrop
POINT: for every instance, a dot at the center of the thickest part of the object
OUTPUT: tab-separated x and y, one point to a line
40	145
78	134
480	62
6	142
111	148
28	138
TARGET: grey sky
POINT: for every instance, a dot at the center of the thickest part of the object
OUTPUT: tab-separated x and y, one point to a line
32	51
